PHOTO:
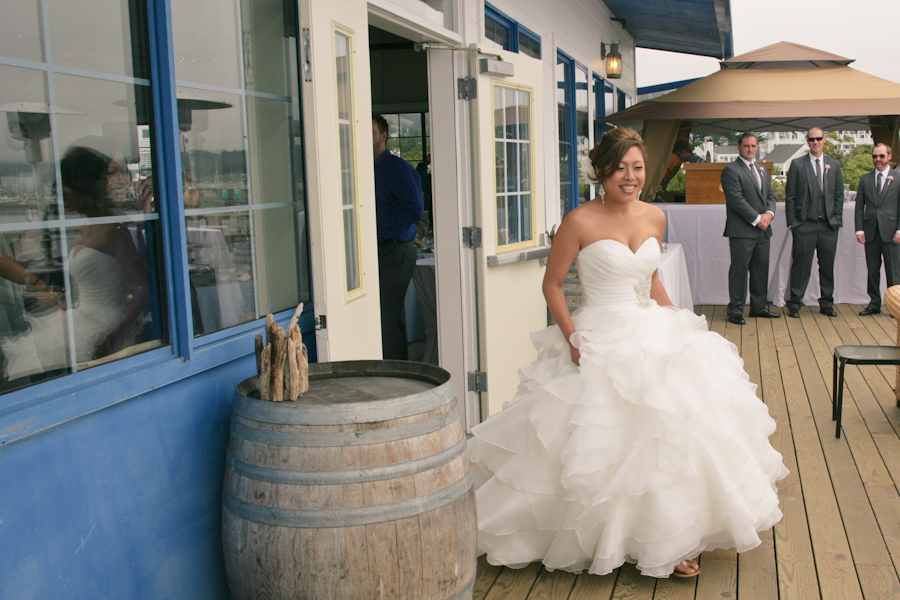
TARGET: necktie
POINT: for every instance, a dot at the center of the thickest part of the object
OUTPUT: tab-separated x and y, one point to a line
756	178
880	181
819	173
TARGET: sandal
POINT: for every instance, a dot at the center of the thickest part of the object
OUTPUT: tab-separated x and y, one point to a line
690	564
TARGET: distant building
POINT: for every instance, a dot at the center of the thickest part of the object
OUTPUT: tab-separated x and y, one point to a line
782	155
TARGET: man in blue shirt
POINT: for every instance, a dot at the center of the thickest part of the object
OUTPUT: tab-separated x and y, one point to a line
398	207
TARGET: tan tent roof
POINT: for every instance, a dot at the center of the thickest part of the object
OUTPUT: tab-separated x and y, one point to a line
835	97
784	55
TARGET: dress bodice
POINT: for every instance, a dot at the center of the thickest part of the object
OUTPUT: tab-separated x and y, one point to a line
613	276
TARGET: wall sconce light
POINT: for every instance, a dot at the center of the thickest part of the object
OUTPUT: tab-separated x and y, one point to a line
613	61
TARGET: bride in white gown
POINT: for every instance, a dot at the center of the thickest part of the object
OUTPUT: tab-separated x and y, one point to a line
636	435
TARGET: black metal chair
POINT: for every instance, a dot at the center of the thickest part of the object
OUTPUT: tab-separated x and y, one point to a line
856	355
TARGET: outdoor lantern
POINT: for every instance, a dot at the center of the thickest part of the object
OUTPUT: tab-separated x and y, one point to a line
613	61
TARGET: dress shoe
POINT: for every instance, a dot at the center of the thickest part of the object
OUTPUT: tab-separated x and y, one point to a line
869	310
829	312
766	314
794	312
736	319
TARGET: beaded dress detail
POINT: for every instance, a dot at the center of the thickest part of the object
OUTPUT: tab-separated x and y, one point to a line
651	450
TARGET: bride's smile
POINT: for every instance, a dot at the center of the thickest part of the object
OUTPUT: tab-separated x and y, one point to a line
626	182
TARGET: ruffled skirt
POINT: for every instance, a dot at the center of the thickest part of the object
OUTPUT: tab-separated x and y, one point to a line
652	451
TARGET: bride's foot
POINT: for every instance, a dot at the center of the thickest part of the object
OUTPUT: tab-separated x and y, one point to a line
687	568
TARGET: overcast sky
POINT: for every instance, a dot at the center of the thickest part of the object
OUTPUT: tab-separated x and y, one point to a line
866	30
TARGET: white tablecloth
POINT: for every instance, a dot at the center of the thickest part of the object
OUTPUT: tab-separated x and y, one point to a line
673	274
698	228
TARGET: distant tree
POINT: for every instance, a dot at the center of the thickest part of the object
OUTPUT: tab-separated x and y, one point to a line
677	184
856	164
832	149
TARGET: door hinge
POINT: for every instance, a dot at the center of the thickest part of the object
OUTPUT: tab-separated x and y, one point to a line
471	237
477	382
320	323
306	58
467	88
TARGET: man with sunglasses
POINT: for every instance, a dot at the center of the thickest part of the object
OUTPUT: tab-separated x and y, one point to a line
878	224
814	205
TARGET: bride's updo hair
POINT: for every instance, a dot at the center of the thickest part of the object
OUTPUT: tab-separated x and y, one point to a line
606	156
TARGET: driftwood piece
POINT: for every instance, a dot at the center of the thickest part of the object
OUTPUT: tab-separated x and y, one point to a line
279	360
265	373
259	349
270	329
295	317
291	373
302	368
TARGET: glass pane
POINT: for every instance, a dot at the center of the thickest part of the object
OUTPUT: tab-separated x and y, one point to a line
350	254
212	147
411	125
27	172
91	36
512	211
267	60
104	116
512	167
524	115
206	40
525	166
609	106
563	106
343	72
220	268
499	113
529	46
502	226
582	128
20	31
525	212
411	150
496	31
500	165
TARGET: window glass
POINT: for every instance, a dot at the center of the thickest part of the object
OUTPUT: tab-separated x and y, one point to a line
344	75
497	31
91	36
563	112
512	147
408	136
20	31
81	277
206	41
609	102
529	45
582	127
242	159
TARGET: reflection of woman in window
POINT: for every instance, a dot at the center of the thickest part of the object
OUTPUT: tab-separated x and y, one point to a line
108	280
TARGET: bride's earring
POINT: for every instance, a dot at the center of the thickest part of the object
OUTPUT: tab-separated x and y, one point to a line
601	192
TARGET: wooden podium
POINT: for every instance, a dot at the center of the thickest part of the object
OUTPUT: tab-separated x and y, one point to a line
702	182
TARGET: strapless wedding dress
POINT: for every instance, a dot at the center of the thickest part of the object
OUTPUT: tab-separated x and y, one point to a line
652	450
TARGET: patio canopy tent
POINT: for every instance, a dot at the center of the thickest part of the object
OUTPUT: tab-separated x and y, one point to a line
782	87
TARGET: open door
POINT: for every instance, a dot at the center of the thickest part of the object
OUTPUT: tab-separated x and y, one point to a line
508	145
340	174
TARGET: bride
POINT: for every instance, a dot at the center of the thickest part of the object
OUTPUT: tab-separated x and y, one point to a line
636	436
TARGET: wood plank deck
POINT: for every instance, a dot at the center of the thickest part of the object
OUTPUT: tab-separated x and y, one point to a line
840	536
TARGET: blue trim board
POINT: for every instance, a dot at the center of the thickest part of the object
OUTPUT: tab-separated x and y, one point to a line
665	87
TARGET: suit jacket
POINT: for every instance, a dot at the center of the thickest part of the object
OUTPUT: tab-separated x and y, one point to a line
881	208
743	200
802	188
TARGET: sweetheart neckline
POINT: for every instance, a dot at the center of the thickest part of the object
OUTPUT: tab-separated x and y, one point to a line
626	246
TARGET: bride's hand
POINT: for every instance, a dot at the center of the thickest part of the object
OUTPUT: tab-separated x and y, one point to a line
576	354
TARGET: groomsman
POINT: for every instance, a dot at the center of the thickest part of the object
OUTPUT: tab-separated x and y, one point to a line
814	206
878	224
749	209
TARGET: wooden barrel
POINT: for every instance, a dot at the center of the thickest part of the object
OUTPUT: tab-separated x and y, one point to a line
361	489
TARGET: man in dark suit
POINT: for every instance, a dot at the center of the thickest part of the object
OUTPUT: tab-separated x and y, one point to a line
878	224
749	209
814	206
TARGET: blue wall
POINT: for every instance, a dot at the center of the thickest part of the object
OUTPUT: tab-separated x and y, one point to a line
123	503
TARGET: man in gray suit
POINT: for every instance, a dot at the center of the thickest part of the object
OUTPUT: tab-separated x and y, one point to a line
814	206
878	224
749	210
